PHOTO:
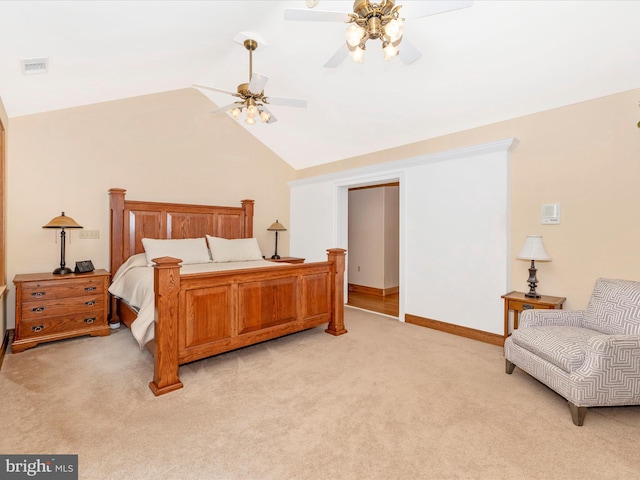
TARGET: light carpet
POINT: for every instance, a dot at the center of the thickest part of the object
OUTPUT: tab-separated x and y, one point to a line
388	400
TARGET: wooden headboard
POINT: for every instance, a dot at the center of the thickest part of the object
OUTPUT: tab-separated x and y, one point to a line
131	221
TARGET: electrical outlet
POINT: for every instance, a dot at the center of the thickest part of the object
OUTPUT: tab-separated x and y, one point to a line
90	234
358	267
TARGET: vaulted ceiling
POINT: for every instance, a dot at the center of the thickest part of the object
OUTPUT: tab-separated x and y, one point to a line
493	61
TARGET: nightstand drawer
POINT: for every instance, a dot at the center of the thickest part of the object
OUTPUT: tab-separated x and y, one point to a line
38	327
525	305
55	289
62	306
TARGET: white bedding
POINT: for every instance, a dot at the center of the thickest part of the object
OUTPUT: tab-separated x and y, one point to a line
133	283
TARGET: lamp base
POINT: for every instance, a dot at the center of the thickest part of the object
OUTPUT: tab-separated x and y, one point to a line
62	271
532	281
275	257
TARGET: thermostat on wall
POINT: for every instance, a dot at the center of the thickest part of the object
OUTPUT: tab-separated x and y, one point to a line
551	214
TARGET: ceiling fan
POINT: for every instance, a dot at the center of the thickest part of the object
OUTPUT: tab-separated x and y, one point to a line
252	97
371	20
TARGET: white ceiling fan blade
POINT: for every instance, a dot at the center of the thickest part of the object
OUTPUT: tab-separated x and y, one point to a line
287	102
408	52
423	9
214	89
258	82
315	15
338	57
226	108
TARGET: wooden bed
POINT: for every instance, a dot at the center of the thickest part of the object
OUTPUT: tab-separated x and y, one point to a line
204	314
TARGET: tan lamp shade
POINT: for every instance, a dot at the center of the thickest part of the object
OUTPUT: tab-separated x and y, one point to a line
277	227
62	221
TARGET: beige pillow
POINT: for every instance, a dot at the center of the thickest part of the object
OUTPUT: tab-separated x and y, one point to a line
189	250
234	250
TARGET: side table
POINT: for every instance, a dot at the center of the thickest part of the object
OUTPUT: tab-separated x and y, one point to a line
286	260
517	301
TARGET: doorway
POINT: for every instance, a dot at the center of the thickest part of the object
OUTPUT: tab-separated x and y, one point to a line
374	248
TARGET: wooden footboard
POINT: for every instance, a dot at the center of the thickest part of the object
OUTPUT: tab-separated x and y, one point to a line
200	315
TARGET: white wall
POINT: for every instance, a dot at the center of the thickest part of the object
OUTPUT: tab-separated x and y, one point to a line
391	236
366	237
373	237
454	229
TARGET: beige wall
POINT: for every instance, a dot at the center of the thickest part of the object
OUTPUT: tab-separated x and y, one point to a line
165	147
3	299
584	156
168	147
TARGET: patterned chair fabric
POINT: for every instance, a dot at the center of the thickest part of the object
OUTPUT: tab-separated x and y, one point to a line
591	357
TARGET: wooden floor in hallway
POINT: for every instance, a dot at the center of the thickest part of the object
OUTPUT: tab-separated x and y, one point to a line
387	305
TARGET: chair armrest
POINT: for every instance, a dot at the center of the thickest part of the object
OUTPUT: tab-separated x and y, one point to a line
616	361
617	349
544	318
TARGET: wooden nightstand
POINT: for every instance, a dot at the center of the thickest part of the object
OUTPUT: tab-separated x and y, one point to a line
517	301
286	260
52	307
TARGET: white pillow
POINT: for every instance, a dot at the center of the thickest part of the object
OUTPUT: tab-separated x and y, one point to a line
234	250
189	250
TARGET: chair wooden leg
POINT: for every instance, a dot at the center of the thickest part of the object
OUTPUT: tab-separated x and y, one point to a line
508	366
577	414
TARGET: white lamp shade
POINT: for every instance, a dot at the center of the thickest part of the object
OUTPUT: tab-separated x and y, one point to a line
533	249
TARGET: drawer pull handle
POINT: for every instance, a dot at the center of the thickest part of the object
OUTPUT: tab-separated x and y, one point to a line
38	309
527	306
38	328
38	294
89	289
90	320
90	303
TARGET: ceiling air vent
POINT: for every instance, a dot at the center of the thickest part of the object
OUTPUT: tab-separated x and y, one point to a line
31	66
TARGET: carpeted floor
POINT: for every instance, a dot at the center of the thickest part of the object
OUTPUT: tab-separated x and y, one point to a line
388	400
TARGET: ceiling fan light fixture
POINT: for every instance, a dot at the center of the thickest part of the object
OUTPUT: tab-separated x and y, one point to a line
251	95
354	34
394	29
357	54
374	21
265	116
390	50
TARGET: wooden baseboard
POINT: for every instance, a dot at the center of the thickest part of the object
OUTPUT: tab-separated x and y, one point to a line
380	292
6	341
472	333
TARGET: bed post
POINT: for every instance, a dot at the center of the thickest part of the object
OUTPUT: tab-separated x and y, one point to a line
166	283
247	205
116	247
336	325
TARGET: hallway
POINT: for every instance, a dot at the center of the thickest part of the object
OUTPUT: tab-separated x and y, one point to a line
387	305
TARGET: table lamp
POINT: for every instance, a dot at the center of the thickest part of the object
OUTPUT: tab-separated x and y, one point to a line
533	249
276	227
62	222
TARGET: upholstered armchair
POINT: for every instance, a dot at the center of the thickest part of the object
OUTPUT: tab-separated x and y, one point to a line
590	357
